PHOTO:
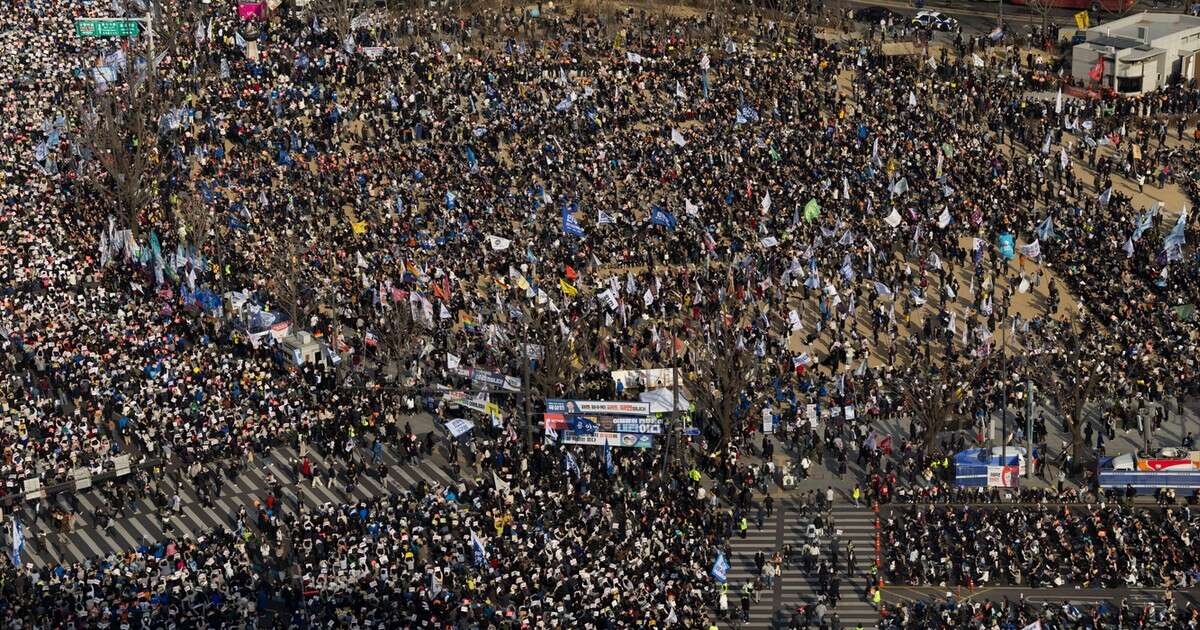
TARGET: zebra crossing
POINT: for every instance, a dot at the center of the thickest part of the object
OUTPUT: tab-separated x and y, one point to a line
141	525
794	588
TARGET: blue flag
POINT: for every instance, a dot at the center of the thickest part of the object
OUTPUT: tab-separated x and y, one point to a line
745	113
471	160
1144	222
720	568
569	462
1176	238
1007	245
608	462
658	216
18	542
581	425
480	551
570	226
451	199
1045	231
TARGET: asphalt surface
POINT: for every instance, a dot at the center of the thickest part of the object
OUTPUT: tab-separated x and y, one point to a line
795	587
976	18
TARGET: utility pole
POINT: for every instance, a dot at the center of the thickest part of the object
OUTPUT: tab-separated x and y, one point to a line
1028	427
150	35
674	394
1003	403
525	377
674	403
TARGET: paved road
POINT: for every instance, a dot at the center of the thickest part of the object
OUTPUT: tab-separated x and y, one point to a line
794	587
142	524
975	17
893	595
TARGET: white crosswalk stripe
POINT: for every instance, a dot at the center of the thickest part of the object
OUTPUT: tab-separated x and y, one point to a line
794	587
139	523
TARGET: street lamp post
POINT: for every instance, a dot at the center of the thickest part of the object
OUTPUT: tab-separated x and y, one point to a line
525	378
1028	427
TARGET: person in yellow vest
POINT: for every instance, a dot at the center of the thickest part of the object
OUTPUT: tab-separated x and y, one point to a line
856	494
743	527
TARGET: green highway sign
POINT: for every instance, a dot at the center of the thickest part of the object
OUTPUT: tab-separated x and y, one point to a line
107	27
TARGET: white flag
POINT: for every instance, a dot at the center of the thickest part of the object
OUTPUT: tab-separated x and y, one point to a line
766	202
497	243
648	297
690	208
452	360
604	218
944	219
882	289
501	485
1032	250
677	137
1128	248
1058	102
1024	286
794	320
1037	625
977	60
892	219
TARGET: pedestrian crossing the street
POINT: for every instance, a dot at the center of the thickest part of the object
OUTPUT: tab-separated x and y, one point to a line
46	544
795	587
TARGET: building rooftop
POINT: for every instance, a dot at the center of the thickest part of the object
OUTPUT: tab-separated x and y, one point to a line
1143	25
1120	43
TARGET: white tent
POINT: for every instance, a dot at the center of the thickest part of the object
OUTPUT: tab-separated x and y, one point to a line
660	400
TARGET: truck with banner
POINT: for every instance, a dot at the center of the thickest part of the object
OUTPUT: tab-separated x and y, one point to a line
601	423
997	467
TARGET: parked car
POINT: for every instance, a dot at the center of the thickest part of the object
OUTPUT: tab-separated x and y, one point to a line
875	15
935	21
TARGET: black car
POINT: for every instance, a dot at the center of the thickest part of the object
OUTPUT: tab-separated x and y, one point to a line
875	15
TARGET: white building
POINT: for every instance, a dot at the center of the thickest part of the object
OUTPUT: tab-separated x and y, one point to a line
1141	52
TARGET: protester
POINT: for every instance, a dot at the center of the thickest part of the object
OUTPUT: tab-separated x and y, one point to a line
1108	546
566	194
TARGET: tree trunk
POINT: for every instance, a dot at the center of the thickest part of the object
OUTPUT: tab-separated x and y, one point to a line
1078	447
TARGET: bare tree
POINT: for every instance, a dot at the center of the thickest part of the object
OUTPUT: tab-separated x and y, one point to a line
564	348
1043	9
284	278
717	372
120	128
195	219
398	341
175	25
339	14
932	395
1071	379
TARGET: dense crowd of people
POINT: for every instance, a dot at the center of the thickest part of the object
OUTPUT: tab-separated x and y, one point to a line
951	613
529	540
820	234
1106	546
